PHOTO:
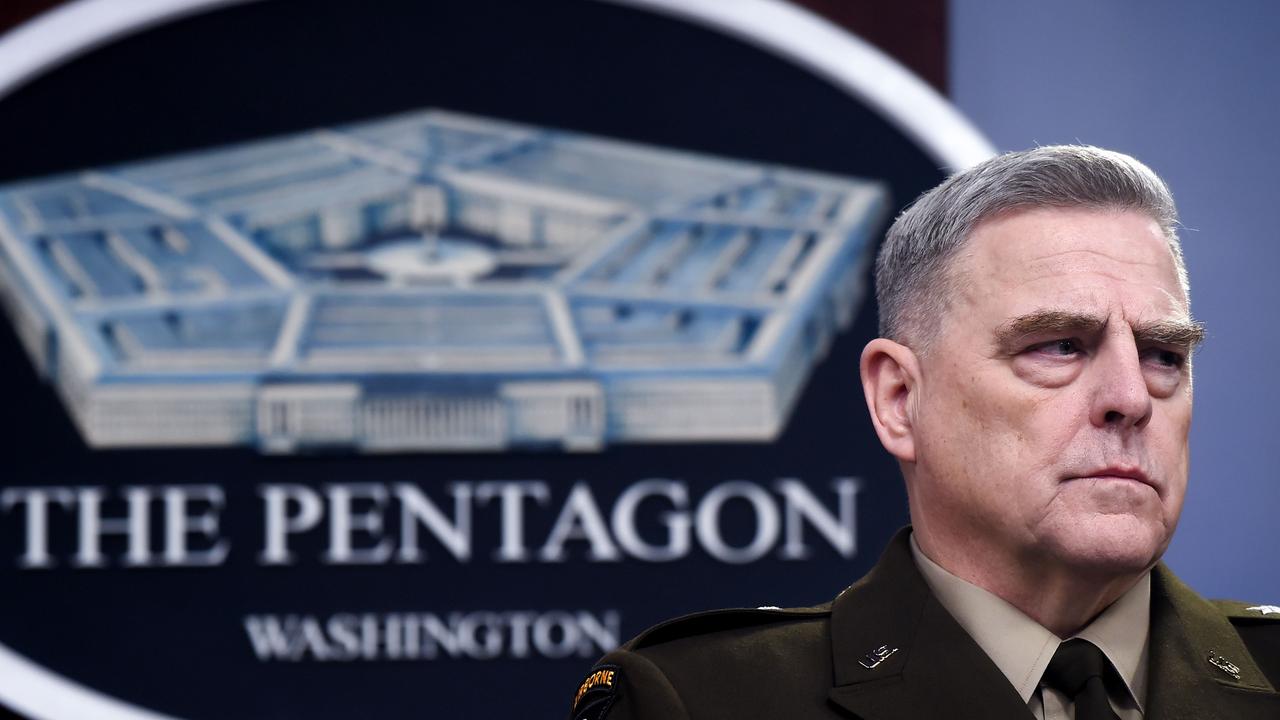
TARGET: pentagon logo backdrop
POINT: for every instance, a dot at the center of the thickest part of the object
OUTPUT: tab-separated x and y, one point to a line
402	360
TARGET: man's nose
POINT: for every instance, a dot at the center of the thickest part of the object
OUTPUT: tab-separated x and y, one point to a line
1121	397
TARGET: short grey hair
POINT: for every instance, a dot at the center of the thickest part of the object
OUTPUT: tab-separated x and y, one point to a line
913	278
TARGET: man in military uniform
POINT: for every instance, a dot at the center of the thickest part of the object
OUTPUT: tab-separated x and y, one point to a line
1033	379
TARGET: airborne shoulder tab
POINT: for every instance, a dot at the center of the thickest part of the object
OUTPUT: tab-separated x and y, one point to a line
596	693
712	621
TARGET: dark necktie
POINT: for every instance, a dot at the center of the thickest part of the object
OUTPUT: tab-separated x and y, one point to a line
1077	669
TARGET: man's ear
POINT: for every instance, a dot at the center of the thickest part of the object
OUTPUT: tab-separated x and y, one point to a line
890	374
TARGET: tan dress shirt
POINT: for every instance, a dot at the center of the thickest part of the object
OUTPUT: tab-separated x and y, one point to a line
1022	648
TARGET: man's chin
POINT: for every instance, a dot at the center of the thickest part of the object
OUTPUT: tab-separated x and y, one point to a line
1109	545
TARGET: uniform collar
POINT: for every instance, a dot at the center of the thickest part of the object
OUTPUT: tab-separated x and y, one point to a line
899	655
1187	634
1022	648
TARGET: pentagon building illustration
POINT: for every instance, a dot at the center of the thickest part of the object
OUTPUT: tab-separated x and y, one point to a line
432	282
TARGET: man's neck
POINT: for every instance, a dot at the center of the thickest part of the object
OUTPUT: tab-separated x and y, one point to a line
1061	599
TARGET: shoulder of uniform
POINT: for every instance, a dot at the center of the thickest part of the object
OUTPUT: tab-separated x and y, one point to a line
630	667
715	621
1237	610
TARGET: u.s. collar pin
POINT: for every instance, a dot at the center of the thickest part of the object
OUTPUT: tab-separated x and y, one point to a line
1265	609
877	656
1224	664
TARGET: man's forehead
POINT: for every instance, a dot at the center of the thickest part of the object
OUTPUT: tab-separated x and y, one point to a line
1128	302
1048	238
1069	254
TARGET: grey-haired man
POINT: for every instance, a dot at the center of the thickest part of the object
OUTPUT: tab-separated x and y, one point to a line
1033	380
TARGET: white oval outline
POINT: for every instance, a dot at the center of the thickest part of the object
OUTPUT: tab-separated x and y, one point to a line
847	61
786	30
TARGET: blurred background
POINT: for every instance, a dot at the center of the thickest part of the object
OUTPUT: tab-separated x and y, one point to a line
510	564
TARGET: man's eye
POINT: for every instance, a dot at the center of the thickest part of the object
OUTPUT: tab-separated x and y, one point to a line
1064	347
1167	358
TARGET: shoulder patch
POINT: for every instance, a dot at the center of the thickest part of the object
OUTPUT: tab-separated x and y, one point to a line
1237	610
711	621
596	693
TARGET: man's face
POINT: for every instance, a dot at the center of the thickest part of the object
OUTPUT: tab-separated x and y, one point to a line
1053	407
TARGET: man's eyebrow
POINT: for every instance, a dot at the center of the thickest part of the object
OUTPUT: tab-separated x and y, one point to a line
1176	333
1010	335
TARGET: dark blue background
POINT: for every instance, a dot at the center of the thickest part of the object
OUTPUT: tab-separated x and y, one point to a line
171	639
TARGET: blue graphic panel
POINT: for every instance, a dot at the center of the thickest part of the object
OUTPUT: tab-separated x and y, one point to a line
432	281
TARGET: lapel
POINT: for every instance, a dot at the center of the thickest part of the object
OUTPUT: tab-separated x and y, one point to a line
1185	631
937	670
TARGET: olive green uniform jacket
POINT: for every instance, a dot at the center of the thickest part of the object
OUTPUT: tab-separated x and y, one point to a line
885	649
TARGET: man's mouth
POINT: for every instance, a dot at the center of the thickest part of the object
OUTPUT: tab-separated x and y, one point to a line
1118	473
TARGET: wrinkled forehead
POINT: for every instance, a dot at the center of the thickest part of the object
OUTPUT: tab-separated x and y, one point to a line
1074	256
